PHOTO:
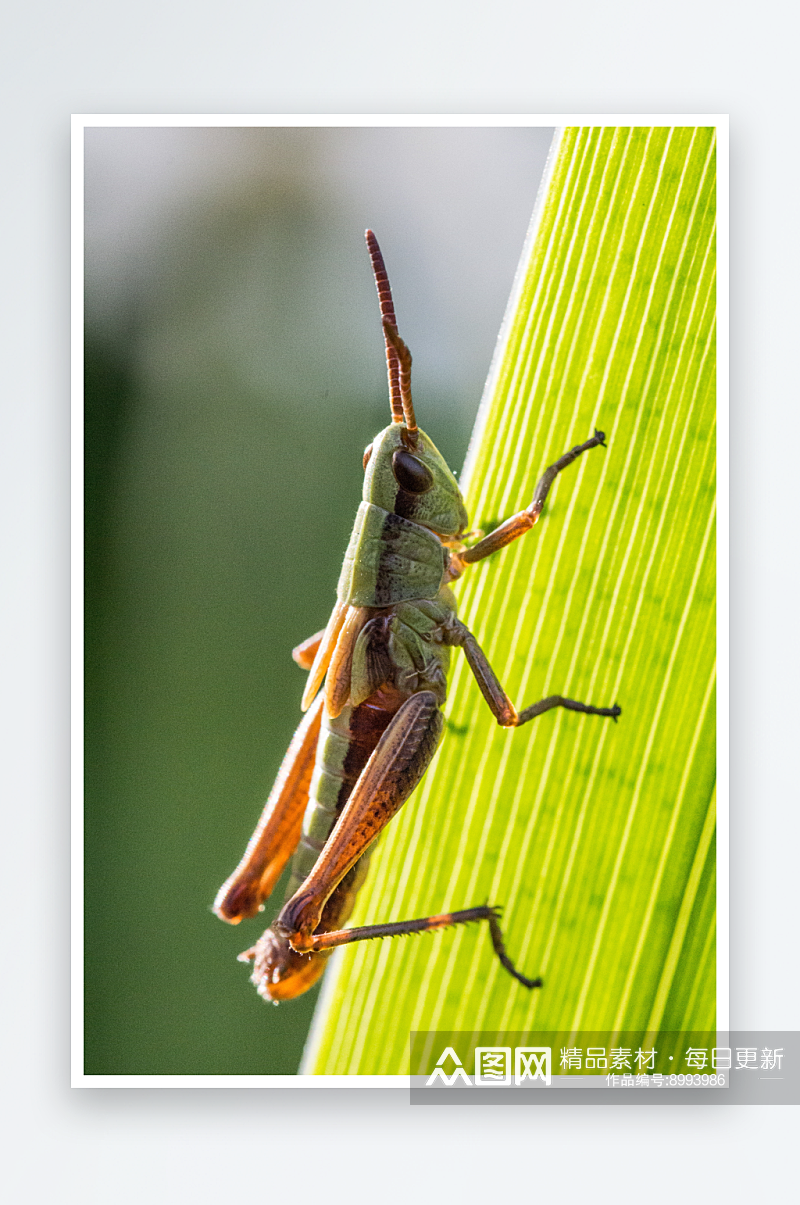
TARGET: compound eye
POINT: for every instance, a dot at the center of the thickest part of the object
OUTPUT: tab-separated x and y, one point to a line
367	454
410	473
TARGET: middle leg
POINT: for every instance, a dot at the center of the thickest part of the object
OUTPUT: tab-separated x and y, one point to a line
504	711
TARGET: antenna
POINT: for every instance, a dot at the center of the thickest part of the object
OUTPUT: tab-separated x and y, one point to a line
398	357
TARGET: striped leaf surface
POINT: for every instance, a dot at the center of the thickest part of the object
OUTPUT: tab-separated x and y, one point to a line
596	837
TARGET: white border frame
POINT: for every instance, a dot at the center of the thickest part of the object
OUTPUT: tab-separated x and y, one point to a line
450	120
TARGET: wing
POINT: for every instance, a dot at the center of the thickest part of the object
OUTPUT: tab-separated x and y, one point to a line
278	830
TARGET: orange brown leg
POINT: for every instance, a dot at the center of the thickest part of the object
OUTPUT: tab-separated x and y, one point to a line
278	831
524	520
305	653
427	924
393	771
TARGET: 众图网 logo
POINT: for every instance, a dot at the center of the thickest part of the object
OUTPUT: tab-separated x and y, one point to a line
493	1067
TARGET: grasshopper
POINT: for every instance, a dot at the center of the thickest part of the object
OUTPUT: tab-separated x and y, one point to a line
377	682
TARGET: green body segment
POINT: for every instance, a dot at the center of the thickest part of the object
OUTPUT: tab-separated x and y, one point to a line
395	567
419	661
331	784
397	550
389	560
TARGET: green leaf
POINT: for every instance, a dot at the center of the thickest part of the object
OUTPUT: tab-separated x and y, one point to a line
596	837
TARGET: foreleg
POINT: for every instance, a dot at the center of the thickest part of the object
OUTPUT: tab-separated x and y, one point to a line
518	524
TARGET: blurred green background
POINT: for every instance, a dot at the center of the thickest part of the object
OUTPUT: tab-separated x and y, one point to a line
234	374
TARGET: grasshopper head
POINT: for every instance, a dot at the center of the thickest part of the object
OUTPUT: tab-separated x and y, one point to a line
413	481
405	472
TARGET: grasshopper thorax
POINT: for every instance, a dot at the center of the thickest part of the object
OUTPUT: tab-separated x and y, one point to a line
411	479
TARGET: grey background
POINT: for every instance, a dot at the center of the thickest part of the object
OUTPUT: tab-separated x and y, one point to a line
690	57
742	1085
